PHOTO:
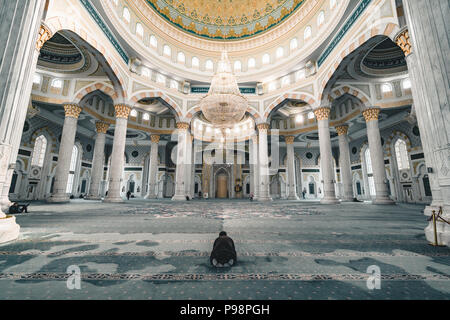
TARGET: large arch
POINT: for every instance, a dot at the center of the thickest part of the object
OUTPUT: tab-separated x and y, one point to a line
342	90
98	86
175	108
306	97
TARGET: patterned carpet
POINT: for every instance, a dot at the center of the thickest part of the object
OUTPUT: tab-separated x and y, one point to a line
160	250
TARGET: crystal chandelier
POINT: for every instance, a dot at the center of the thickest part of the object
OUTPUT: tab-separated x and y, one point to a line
224	105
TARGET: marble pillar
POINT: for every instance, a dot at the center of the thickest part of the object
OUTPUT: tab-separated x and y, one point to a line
188	166
117	156
98	164
254	166
429	45
326	159
263	164
153	168
345	164
291	168
60	195
377	157
180	183
192	189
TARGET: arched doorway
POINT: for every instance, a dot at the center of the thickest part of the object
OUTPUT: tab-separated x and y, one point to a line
222	185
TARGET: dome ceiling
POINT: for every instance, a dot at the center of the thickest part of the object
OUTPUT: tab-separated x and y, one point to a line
225	19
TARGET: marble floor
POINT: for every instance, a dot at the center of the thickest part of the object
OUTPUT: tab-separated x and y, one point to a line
159	249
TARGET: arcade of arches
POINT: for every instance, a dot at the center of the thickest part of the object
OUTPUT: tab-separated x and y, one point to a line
346	100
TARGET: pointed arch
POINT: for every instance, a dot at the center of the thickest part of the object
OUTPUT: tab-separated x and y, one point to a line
178	113
98	86
306	97
348	89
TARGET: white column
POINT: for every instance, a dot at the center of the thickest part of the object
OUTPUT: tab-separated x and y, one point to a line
180	188
60	195
117	156
153	168
193	169
264	183
345	164
98	165
292	181
427	56
377	156
254	166
188	166
326	159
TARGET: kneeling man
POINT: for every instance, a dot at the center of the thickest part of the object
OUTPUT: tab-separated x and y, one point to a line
224	253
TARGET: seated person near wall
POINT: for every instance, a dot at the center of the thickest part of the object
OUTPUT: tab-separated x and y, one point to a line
17	208
224	252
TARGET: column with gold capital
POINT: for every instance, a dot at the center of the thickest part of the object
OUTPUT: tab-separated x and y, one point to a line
117	155
153	168
180	181
60	195
344	163
291	168
254	167
326	159
98	164
377	156
264	173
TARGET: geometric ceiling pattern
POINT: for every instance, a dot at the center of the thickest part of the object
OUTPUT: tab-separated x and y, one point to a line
225	19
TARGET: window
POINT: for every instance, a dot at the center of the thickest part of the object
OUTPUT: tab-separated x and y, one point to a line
286	81
146	116
300	74
311	115
272	86
40	147
385	88
174	84
299	118
308	33
126	15
73	167
320	18
209	65
237	66
153	41
266	59
181	57
167	51
146	72
401	153
332	3
57	83
160	78
139	30
195	62
133	113
280	52
294	44
251	63
369	172
406	84
36	79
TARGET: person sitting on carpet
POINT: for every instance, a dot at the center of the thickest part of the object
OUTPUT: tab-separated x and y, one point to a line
224	252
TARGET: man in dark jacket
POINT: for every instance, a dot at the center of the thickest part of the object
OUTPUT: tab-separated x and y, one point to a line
224	252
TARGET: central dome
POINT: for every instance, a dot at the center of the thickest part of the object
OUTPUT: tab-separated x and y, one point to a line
225	19
224	105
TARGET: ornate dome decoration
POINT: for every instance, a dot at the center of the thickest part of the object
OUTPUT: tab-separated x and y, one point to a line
225	19
224	105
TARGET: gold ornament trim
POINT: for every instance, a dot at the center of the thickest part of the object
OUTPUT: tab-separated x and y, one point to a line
102	127
322	113
44	35
342	130
122	111
154	138
183	126
72	110
263	126
371	114
289	139
404	42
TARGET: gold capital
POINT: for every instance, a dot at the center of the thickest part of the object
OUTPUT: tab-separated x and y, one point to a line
72	110
342	130
101	126
43	37
122	111
289	139
322	113
371	114
155	138
183	126
404	42
263	126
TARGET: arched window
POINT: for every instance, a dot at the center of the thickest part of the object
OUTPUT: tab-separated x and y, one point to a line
280	52
311	115
209	65
401	153
160	78
139	30
285	81
146	72
251	63
57	83
146	116
369	172
320	18
133	113
308	33
272	86
153	41
36	79
181	57
167	51
174	84
73	167
237	66
126	15
300	74
294	44
385	88
266	59
406	84
332	3
40	147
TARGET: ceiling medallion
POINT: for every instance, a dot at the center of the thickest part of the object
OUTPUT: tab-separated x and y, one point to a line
224	105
